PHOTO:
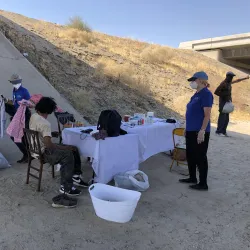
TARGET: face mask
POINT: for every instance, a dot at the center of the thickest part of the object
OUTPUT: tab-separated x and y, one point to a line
194	85
17	86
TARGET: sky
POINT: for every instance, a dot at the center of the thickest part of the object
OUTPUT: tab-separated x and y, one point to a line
165	22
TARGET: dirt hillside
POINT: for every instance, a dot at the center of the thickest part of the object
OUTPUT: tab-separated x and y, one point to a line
96	71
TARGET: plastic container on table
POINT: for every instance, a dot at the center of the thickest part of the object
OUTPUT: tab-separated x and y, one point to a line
113	203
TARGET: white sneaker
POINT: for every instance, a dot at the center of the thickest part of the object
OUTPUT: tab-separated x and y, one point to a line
221	135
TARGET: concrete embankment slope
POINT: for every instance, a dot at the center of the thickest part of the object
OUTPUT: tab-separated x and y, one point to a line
12	61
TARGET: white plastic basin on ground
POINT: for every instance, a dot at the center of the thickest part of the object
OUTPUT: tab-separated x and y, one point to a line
113	203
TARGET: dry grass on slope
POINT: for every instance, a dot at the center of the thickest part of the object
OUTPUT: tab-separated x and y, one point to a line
107	71
124	73
78	37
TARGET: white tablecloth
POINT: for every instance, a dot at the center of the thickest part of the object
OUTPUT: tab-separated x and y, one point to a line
154	138
111	156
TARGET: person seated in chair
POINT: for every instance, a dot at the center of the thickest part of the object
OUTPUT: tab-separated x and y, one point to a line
67	156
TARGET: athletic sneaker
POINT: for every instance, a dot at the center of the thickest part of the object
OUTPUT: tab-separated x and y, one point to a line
221	135
63	201
72	192
77	181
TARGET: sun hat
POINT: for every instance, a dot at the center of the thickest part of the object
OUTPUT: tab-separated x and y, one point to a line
198	75
15	79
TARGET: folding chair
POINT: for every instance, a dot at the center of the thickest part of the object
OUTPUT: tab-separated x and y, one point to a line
177	148
62	119
33	147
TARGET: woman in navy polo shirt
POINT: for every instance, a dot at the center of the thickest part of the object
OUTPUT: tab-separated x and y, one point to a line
198	130
19	93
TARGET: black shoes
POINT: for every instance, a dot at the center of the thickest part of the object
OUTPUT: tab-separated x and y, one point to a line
200	187
78	181
63	201
188	180
25	159
73	192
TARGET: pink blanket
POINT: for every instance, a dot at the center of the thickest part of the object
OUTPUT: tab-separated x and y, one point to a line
16	126
37	97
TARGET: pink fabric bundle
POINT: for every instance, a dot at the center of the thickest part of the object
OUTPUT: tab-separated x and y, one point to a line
37	97
16	126
26	103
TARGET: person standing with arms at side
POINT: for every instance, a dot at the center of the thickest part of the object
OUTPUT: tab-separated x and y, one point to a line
198	130
224	91
19	93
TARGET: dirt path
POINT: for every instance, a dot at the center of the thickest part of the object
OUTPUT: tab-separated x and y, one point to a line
169	215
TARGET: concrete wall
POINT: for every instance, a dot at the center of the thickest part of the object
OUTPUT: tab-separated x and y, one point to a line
11	61
214	54
232	50
218	55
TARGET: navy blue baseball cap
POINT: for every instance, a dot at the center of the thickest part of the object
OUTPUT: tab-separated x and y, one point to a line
199	75
230	73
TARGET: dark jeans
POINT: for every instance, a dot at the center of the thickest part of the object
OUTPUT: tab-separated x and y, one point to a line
197	156
223	121
70	162
11	111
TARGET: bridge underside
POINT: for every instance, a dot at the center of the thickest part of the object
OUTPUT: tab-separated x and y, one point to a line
232	50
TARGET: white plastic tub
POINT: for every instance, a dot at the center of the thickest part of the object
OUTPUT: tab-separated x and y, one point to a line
113	203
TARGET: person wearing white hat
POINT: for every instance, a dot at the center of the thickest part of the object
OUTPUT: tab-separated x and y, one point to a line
19	93
224	91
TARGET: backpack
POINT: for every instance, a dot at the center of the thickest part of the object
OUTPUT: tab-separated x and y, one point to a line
110	120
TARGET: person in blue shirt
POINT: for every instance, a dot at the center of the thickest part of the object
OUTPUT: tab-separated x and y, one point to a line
198	130
19	93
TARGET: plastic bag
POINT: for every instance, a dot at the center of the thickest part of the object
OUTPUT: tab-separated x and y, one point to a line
132	180
228	108
3	162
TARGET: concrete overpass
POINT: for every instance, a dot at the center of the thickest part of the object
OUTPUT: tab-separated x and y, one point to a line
233	50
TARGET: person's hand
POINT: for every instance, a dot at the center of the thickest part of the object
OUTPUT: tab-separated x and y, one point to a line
201	136
4	99
248	77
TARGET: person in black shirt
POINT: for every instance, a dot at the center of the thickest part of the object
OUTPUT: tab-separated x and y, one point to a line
224	91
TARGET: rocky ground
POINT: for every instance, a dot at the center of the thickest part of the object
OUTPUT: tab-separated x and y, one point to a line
168	216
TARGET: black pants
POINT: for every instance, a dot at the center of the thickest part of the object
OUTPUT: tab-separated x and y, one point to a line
223	121
197	156
11	111
70	162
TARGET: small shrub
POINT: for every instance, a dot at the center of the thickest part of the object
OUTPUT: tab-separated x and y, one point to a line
77	36
78	24
158	54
